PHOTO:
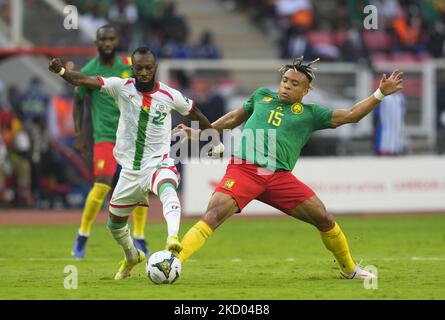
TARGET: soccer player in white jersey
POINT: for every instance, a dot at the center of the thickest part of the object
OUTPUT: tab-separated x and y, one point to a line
142	147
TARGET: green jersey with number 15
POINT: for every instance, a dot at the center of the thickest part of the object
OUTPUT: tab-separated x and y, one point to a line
277	131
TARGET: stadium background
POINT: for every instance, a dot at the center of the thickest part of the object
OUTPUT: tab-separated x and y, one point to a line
218	52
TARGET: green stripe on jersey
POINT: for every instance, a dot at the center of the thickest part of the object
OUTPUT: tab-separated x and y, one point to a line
140	140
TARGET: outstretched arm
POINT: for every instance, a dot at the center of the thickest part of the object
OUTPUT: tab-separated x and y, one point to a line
352	115
228	121
74	77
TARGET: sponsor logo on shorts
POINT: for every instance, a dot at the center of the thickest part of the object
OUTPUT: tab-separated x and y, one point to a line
229	184
100	164
297	108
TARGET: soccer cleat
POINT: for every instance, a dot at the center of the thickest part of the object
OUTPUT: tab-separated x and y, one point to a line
127	266
358	273
173	245
79	247
141	244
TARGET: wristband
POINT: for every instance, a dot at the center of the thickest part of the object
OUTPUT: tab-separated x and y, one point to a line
379	95
61	72
218	149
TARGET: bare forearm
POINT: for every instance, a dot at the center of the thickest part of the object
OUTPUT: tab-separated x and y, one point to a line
79	79
78	114
196	115
363	108
355	113
230	120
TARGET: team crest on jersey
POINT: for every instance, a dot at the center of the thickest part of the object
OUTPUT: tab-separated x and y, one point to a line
125	75
297	108
161	107
267	100
229	184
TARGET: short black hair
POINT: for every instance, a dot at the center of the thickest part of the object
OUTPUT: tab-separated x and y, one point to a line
106	26
142	50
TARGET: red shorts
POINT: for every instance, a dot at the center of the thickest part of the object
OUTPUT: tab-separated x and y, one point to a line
281	190
103	158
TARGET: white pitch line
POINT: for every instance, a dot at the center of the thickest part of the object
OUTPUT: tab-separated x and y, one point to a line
66	259
236	260
290	259
428	258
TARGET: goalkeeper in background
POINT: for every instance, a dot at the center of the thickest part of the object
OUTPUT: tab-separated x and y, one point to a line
105	116
255	173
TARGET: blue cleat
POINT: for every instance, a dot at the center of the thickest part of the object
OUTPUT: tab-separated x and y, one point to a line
141	245
79	247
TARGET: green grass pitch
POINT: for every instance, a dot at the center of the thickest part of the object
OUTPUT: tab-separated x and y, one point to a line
244	259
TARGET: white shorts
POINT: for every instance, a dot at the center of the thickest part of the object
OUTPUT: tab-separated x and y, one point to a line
133	187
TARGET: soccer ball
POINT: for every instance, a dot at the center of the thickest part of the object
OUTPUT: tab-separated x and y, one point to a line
163	267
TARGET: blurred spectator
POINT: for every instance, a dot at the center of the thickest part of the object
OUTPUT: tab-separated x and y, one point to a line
408	32
206	48
15	167
60	117
124	14
95	18
295	44
150	13
389	121
440	99
354	48
174	26
294	12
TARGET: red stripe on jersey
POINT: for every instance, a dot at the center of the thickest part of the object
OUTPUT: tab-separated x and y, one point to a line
193	106
130	81
125	59
101	80
166	93
146	101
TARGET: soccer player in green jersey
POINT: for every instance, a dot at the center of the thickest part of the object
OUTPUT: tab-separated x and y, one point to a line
105	117
257	173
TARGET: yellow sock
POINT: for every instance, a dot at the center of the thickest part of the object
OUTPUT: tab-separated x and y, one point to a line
92	207
139	217
335	241
194	239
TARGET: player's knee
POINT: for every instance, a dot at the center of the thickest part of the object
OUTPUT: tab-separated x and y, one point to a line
326	223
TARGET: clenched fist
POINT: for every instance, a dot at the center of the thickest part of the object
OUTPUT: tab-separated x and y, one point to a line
55	65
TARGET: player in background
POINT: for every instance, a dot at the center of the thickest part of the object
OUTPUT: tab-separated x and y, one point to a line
294	122
142	147
105	117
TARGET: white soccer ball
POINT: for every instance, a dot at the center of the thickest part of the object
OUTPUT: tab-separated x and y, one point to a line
163	267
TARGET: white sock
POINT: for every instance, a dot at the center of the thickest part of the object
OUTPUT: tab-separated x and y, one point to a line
122	237
171	209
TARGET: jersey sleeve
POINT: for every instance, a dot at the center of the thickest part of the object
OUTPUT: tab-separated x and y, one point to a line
249	105
181	103
112	85
322	117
